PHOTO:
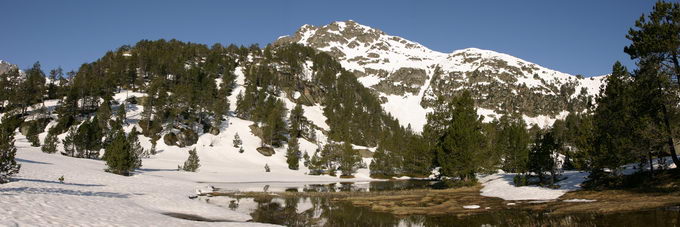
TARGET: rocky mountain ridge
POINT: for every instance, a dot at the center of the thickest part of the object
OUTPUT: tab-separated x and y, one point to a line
408	76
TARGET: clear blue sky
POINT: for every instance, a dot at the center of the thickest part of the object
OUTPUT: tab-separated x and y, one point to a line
578	37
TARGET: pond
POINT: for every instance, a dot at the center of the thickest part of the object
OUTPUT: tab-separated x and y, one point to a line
365	186
326	211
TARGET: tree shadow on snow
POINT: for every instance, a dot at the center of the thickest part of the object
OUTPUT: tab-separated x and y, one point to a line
57	182
29	190
31	161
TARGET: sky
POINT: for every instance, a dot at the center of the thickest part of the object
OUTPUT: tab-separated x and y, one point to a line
577	37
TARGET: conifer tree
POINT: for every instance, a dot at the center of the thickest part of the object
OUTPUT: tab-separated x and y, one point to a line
614	122
381	165
136	148
69	142
121	115
119	156
305	157
315	164
104	114
237	141
513	142
192	162
656	43
349	160
274	130
50	144
542	156
88	139
293	154
32	134
459	148
8	165
297	121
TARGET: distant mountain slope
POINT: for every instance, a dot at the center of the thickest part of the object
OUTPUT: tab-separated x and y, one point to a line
408	76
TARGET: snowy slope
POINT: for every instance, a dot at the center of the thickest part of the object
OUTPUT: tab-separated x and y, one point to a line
403	72
91	197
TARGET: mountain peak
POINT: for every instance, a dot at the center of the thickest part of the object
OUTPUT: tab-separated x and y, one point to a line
407	76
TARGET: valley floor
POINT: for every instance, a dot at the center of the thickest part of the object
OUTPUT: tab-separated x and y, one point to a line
157	194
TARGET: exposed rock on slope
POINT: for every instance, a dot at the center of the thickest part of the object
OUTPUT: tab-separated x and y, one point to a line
408	76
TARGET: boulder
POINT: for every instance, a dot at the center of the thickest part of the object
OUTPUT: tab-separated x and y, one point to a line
266	151
214	130
170	139
186	137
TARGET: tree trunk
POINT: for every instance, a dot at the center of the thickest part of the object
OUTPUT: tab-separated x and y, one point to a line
676	64
671	143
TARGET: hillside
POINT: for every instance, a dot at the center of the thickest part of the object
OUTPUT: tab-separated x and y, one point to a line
408	76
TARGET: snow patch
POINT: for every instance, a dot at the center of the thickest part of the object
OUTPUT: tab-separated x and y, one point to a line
501	185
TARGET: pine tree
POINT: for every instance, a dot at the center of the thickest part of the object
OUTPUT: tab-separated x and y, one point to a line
655	41
88	139
8	165
297	121
381	165
613	122
542	156
50	144
460	147
104	114
655	107
315	164
293	154
121	115
32	134
136	148
119	156
192	162
274	130
237	141
513	142
349	160
305	157
69	142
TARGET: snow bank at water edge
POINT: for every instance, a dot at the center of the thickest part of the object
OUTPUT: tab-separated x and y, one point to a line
501	185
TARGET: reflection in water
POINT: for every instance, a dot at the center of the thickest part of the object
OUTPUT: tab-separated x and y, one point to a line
325	187
323	211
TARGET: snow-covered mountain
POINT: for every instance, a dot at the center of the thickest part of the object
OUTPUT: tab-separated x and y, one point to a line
408	76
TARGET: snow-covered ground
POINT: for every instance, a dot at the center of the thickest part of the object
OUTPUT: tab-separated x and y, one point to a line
91	197
501	185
